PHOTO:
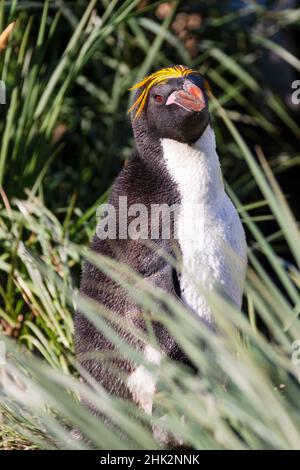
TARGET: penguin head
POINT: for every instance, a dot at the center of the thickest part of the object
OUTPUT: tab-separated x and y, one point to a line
171	103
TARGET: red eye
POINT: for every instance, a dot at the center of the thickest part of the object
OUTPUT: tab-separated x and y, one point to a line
158	98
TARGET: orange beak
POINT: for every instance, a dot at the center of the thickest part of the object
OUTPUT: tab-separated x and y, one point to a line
190	97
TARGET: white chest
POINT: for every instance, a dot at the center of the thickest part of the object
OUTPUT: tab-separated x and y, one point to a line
209	231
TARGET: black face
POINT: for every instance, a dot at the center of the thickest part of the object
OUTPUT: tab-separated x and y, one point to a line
177	109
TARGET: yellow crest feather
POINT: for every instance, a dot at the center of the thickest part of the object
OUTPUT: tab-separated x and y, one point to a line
154	79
